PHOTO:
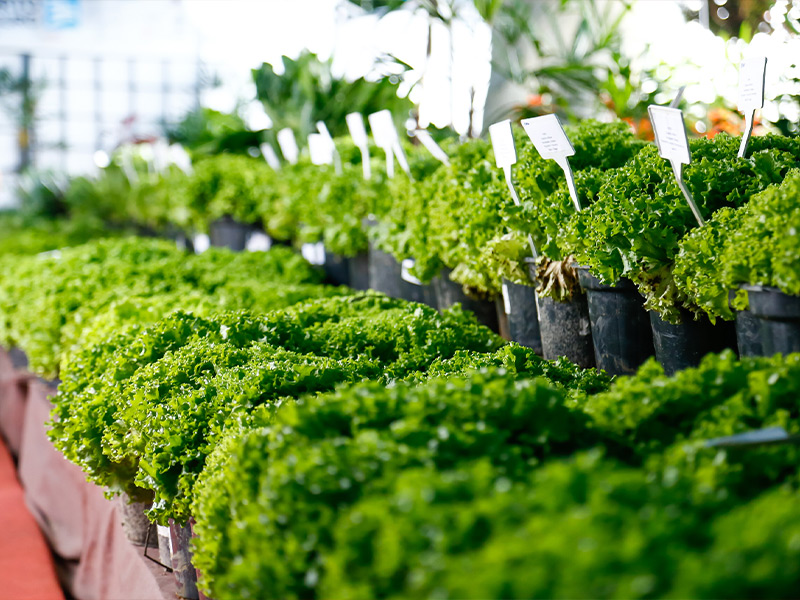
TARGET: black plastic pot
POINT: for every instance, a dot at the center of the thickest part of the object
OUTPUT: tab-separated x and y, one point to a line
621	331
19	359
564	327
181	239
413	290
779	319
523	317
384	273
748	334
337	269
358	268
683	345
227	233
449	293
502	318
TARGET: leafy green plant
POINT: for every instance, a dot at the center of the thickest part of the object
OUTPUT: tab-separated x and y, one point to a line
755	244
322	454
639	216
207	132
45	298
21	235
307	91
143	409
229	185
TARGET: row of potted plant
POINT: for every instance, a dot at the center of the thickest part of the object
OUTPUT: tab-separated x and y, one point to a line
606	291
358	445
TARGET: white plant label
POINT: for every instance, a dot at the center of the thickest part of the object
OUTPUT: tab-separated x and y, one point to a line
752	72
431	146
506	299
268	152
505	153
385	135
288	145
180	158
314	253
320	150
323	131
670	134
405	271
400	155
548	136
505	156
163	531
201	243
673	145
552	143
355	124
258	241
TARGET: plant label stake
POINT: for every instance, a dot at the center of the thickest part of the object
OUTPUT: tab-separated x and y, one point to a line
385	134
288	145
673	145
323	131
551	141
355	123
314	253
405	271
431	146
758	437
752	72
268	152
319	149
506	299
505	155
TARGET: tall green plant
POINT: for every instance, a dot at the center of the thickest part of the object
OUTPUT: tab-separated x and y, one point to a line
308	91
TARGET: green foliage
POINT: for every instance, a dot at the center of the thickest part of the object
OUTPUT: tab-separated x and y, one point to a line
20	235
207	132
667	421
229	185
144	408
755	244
40	193
584	528
322	454
307	91
396	492
639	216
45	301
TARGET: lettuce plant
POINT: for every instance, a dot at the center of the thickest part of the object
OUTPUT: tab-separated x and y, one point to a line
755	244
634	227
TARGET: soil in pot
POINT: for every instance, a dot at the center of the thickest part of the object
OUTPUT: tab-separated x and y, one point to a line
621	331
523	317
384	273
779	319
449	293
683	345
564	327
227	233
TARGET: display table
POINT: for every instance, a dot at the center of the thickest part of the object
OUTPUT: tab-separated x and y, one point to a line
93	556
